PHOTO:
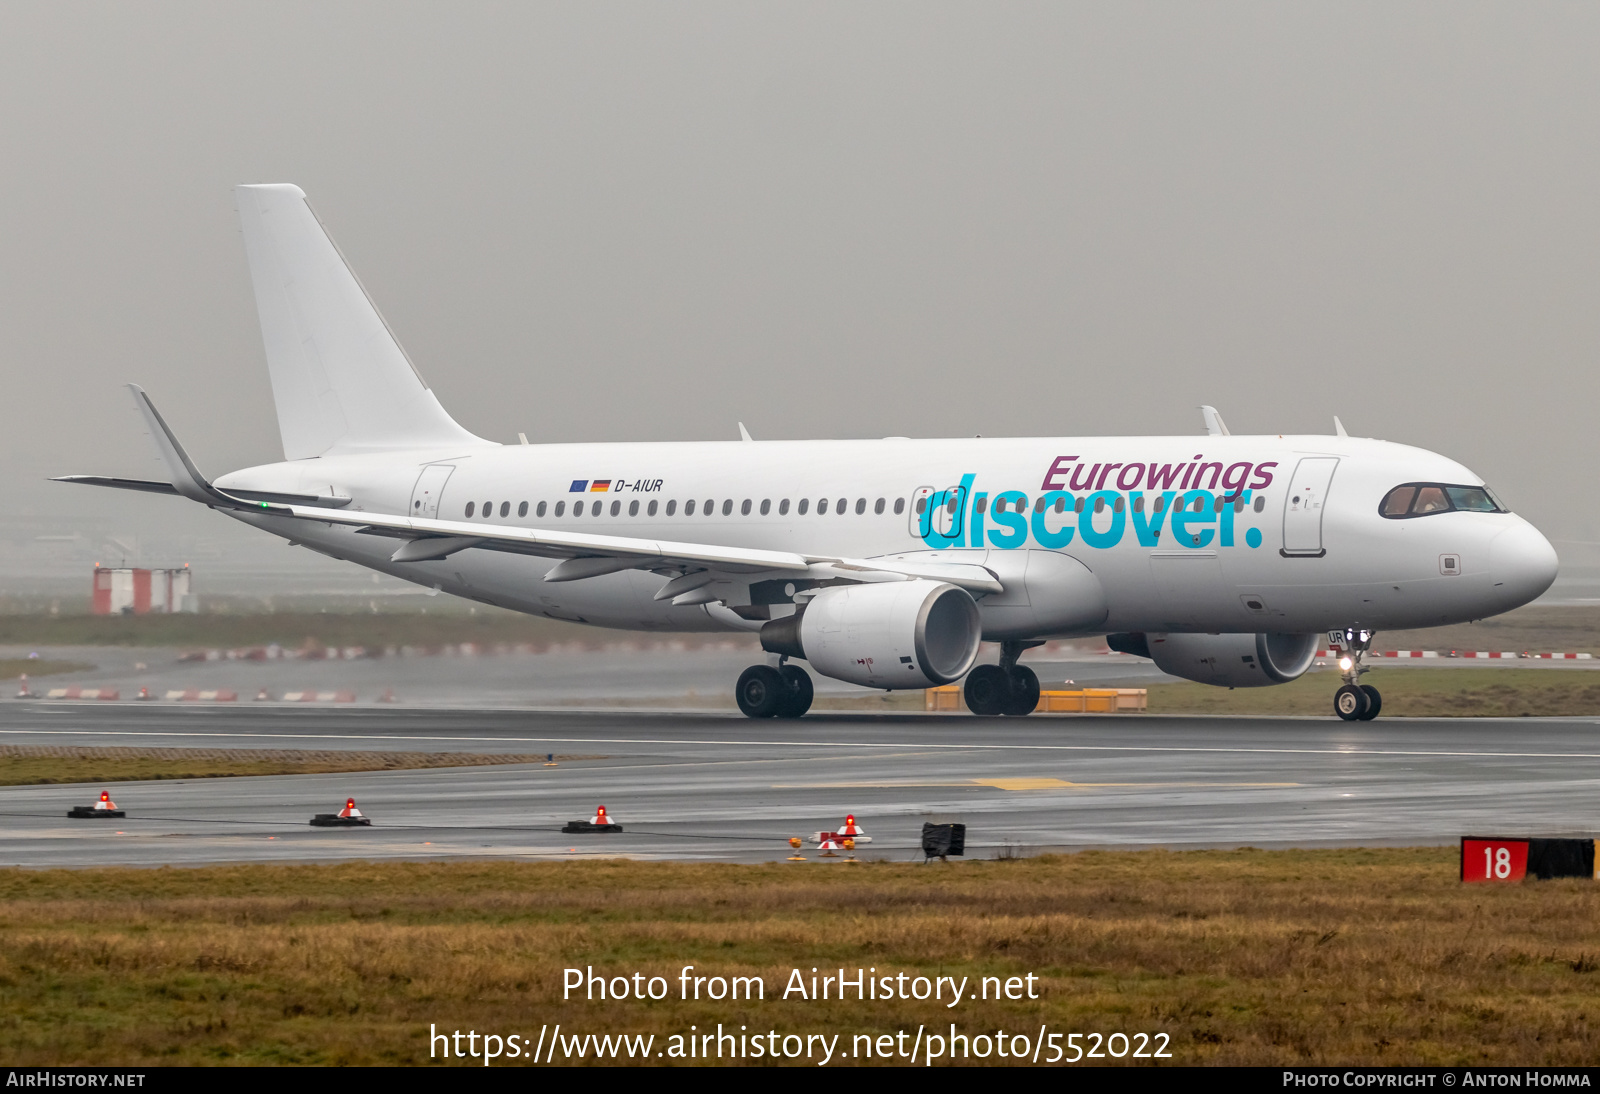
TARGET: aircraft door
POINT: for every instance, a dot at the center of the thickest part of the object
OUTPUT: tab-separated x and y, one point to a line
1303	505
426	494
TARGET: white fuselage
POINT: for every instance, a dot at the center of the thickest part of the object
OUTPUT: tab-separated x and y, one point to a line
1293	548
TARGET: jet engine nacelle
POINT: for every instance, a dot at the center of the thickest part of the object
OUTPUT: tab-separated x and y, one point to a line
1225	660
888	634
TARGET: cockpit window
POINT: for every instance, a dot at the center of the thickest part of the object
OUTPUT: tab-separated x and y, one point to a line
1421	499
1473	499
1430	499
1398	503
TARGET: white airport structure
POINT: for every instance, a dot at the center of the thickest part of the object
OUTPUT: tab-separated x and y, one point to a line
1226	559
129	590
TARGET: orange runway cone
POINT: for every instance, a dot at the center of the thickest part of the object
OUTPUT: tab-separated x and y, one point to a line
348	817
104	809
794	844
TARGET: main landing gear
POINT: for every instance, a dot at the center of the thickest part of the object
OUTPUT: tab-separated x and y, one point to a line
1007	688
1355	701
767	692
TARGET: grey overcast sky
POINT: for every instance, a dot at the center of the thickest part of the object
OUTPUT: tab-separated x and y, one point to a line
605	221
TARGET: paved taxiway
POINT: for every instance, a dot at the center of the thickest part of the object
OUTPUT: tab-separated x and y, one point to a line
714	786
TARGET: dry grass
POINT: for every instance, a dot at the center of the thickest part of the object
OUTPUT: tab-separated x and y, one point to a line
1413	693
1325	957
21	764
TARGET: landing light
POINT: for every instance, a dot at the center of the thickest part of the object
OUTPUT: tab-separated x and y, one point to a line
1345	663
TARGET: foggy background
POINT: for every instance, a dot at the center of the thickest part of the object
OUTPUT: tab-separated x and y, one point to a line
601	221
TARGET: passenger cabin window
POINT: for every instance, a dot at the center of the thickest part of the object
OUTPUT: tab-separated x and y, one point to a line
1422	499
1261	503
843	502
861	506
822	506
744	508
672	506
727	507
470	507
633	508
710	506
783	508
540	511
766	506
877	507
505	509
805	503
651	509
522	510
899	506
560	507
616	507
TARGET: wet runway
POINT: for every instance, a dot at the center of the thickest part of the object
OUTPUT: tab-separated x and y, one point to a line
710	786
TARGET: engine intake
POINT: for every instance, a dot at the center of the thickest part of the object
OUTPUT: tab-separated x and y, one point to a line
1224	660
888	634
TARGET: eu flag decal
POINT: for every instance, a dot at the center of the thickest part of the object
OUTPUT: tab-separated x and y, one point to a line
578	486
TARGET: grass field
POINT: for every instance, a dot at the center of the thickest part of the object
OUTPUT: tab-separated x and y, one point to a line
1248	957
35	764
1413	693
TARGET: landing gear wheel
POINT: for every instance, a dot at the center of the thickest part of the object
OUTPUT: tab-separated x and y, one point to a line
797	691
1374	702
760	691
1350	703
1024	695
987	690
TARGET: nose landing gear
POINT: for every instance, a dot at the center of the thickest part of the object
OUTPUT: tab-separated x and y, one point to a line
1355	701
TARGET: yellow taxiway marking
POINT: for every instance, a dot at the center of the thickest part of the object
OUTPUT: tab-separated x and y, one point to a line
1034	784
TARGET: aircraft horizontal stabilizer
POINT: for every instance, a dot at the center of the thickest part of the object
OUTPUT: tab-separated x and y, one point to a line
146	485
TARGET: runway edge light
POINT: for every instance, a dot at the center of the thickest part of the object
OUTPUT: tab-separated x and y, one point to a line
104	809
348	817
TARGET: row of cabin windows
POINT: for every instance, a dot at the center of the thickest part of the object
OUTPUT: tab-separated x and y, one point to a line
598	506
1019	505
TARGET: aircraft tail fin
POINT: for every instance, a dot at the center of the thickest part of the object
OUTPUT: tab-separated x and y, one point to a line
339	377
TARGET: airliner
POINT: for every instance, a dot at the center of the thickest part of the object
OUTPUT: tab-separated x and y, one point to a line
885	563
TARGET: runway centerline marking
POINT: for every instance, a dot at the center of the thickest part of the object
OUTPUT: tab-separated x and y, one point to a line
698	742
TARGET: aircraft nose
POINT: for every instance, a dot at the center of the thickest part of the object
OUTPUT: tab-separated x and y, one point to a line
1522	564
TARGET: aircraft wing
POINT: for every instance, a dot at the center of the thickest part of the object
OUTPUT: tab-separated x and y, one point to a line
587	554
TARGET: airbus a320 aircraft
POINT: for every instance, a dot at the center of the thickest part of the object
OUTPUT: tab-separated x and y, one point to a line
883	563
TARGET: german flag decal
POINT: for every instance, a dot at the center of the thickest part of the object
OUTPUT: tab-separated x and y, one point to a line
599	486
